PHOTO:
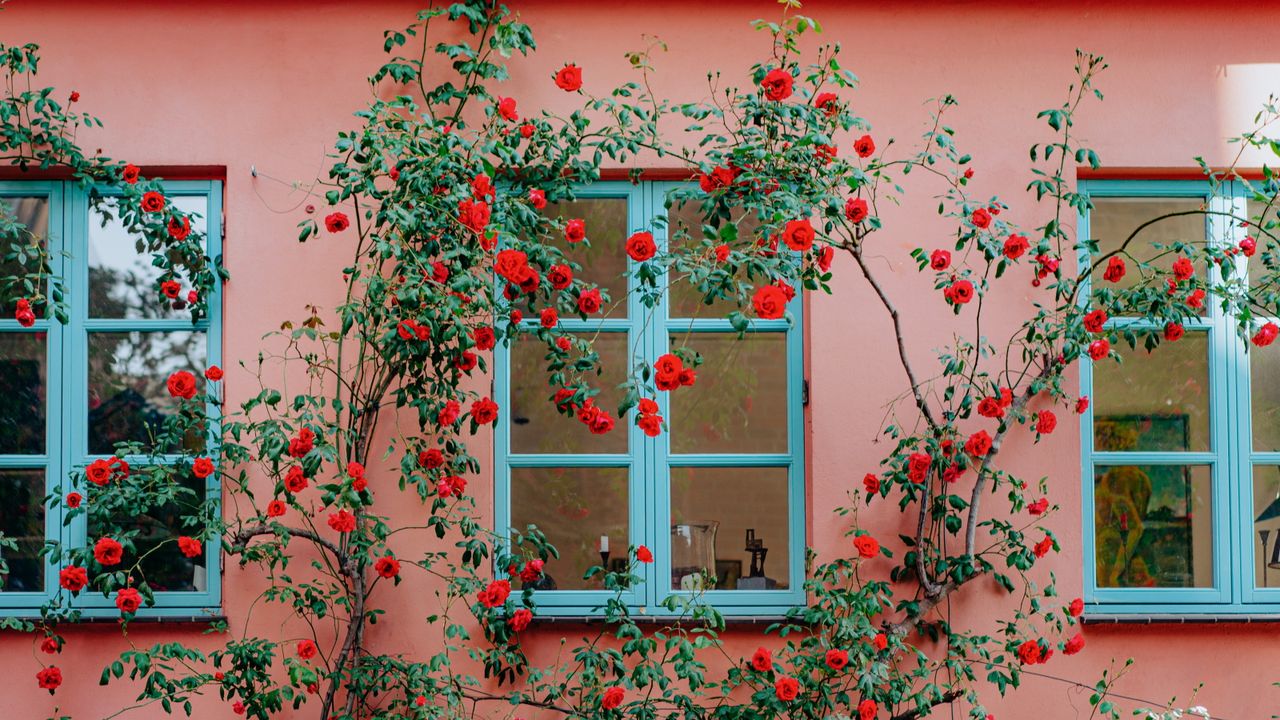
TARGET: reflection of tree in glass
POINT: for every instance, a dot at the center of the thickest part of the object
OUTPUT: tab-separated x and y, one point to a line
602	257
23	384
24	227
128	398
739	401
121	276
163	566
22	521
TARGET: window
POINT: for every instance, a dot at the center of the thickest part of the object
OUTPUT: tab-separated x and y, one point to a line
1181	446
69	392
724	486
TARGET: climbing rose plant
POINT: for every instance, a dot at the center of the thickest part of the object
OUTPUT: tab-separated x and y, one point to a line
443	196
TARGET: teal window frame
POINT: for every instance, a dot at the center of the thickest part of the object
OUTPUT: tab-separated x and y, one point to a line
67	395
649	459
1230	458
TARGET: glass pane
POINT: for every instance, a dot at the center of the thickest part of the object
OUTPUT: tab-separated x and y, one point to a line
745	541
24	229
121	278
1266	525
128	396
23	387
536	425
1114	219
22	520
604	261
1153	526
1257	270
686	300
738	404
163	566
1264	370
1154	401
574	508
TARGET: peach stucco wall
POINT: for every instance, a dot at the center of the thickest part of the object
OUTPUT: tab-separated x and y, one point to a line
239	84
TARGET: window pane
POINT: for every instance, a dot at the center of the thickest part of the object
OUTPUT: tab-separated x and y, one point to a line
1266	525
1264	370
23	387
574	508
128	397
712	539
1114	219
163	566
536	425
121	277
739	402
24	229
1153	526
605	261
22	520
1154	401
686	300
1257	270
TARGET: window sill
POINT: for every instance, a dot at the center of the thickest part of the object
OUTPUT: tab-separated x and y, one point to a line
94	619
659	620
1179	619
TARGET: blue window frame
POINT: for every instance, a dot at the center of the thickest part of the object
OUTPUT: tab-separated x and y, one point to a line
93	381
1181	474
664	492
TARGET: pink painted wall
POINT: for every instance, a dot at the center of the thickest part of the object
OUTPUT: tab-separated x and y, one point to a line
236	84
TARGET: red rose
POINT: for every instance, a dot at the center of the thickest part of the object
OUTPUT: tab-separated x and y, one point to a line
520	619
307	649
837	659
49	678
387	566
482	186
940	260
526	130
202	467
1173	331
214	373
981	219
827	101
179	229
1248	246
23	313
448	415
825	256
867	546
190	547
762	660
1115	270
612	697
336	222
507	109
786	688
73	578
1046	421
74	499
548	318
798	235
1099	349
467	361
237	707
474	215
560	276
130	174
1029	653
590	302
990	407
302	443
128	600
644	555
276	508
777	84
182	384
484	411
1015	246
1043	547
918	467
295	481
1094	321
342	521
171	289
1038	507
152	202
1076	607
881	642
978	444
867	709
1195	300
50	645
959	292
770	302
431	459
871	482
575	231
1074	645
1082	404
650	424
537	198
495	594
864	146
640	246
484	338
855	209
1266	335
98	472
569	78
511	264
1183	268
451	485
108	552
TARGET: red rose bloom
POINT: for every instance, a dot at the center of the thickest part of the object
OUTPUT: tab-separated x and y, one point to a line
826	101
837	659
1029	653
1081	405
431	459
342	521
189	547
1046	421
130	174
49	679
881	642
786	688
1099	349
179	228
644	555
575	231
867	546
23	313
50	645
276	508
1173	331
1015	246
295	481
495	594
171	289
940	260
1076	607
484	411
507	109
981	219
871	482
867	709
560	276
448	415
387	566
959	292
451	485
1094	321
73	578
1248	246
307	649
214	373
1043	547
1074	645
182	384
1115	270
202	467
590	301
864	146
1195	300
798	235
474	215
302	443
640	246
511	264
484	338
777	84
74	499
978	444
108	552
569	78
1038	507
152	202
770	302
98	472
520	619
825	256
612	697
336	222
537	198
990	407
1183	268
762	660
918	467
549	318
128	600
855	209
1266	335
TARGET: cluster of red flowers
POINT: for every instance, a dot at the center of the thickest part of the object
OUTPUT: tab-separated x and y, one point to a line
770	301
23	313
649	420
103	471
670	373
495	595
